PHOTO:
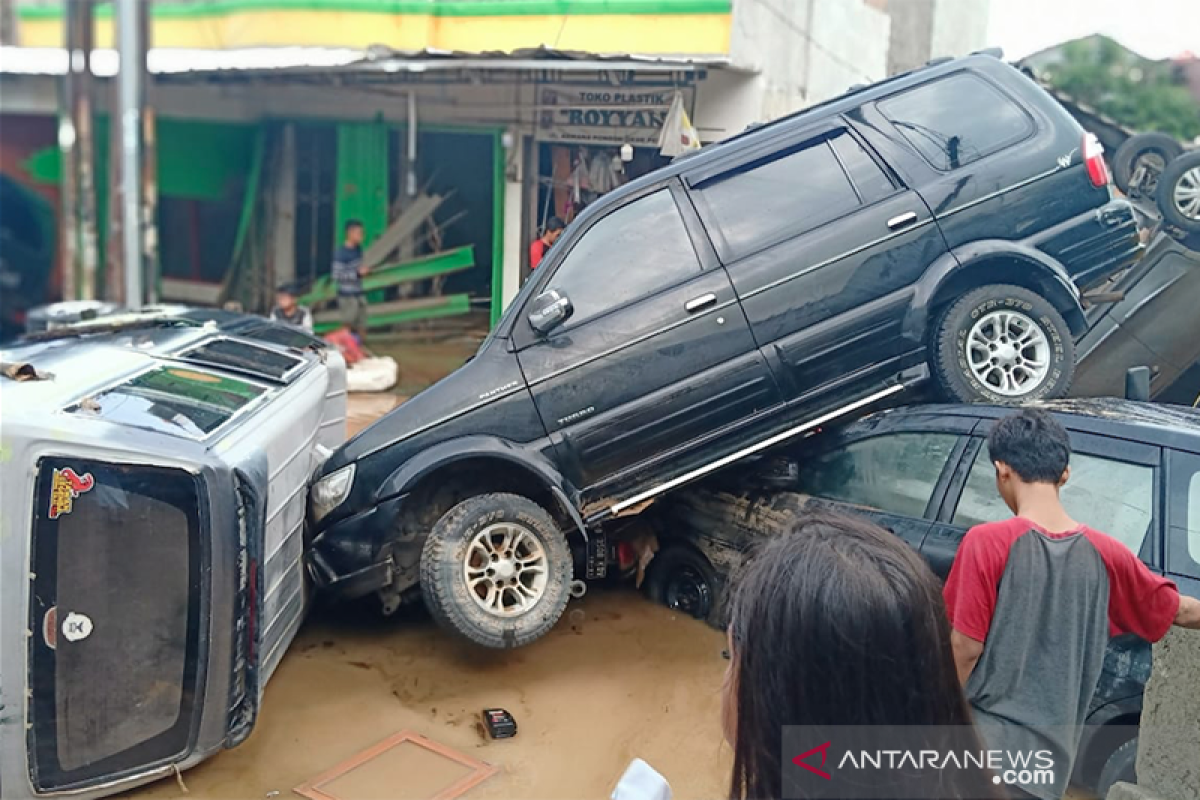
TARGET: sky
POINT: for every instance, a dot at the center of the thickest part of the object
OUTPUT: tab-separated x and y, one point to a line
1154	28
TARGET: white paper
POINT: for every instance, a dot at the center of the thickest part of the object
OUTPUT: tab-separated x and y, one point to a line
641	782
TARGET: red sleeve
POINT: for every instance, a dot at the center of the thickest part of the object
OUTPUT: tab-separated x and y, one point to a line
536	251
974	581
1139	601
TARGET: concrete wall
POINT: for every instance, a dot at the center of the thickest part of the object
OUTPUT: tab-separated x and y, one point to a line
804	51
925	29
959	27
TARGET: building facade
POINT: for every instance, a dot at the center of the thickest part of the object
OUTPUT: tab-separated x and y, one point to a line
510	111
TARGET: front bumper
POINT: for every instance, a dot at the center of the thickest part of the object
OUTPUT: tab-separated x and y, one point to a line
349	558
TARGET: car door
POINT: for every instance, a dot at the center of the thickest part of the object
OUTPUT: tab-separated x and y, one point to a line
896	479
823	244
1183	528
655	357
1113	488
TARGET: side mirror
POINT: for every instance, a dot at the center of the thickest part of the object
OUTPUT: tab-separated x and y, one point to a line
550	309
1137	384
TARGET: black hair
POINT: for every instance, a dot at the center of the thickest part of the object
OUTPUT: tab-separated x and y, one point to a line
554	224
839	623
1033	444
287	288
351	224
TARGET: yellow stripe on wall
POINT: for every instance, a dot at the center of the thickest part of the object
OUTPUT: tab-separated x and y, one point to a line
660	34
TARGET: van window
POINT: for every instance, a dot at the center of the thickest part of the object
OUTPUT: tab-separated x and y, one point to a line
633	252
767	201
181	402
957	120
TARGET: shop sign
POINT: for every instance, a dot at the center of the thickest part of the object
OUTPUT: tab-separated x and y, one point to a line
603	116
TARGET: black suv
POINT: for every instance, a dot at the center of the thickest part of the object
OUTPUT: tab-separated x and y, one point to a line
942	223
923	473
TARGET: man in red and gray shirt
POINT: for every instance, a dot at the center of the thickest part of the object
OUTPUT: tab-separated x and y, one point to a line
1033	601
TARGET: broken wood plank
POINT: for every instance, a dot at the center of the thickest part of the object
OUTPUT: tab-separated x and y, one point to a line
405	226
385	315
451	261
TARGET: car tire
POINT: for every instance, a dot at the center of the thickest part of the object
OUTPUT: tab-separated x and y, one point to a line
508	605
1121	767
1179	193
1000	318
1157	148
682	579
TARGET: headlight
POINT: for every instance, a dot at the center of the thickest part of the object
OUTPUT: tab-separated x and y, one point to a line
331	491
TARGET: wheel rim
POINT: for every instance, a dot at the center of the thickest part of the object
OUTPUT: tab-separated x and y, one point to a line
506	569
1008	353
688	592
1187	194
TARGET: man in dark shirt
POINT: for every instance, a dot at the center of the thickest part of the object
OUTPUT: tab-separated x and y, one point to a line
348	272
537	250
1033	601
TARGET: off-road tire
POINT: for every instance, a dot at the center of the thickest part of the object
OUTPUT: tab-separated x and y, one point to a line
1124	161
948	341
1166	193
445	589
1121	766
665	569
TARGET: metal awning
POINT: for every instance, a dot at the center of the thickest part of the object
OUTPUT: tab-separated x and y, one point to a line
281	61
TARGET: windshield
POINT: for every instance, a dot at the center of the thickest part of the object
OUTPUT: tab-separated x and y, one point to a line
172	400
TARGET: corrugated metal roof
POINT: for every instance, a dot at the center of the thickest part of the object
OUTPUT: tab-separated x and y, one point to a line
378	59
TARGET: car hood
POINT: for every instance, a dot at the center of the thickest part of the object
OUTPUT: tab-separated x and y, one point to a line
491	374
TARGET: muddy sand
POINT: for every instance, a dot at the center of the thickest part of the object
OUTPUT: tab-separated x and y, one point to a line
618	678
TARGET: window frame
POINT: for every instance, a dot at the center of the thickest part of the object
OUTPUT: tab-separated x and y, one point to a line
523	335
1031	132
1085	444
1183	467
940	486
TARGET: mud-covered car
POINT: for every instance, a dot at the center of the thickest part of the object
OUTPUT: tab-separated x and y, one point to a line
154	480
923	473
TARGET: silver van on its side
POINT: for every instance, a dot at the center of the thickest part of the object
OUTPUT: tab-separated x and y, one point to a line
154	479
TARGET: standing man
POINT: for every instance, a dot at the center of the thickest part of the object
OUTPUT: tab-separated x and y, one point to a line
348	272
1033	601
537	250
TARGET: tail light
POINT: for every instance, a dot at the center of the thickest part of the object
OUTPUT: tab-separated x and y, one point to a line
1093	156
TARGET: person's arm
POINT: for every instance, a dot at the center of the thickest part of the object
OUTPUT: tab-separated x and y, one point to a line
966	654
1188	615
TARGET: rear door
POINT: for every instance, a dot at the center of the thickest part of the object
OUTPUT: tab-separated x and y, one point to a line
656	357
1113	487
1183	530
116	595
823	244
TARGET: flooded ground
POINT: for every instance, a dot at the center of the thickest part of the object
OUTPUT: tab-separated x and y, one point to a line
618	678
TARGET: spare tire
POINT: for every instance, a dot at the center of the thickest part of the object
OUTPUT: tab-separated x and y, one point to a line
1179	193
1152	150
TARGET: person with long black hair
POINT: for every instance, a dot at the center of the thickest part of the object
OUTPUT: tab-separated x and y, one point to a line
839	623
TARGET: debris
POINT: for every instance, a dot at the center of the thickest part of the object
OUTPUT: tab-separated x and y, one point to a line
372	375
499	723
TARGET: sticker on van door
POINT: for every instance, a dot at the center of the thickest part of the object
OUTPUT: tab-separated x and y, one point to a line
65	487
76	627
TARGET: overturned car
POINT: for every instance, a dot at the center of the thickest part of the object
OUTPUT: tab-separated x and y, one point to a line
154	480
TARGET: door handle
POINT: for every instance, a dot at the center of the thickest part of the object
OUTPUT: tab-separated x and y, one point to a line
703	301
902	221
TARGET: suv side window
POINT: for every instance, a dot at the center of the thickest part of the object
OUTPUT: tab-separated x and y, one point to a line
1114	497
766	201
633	252
896	473
956	120
868	177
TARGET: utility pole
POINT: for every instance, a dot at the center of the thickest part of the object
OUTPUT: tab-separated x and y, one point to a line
8	22
85	131
76	141
130	100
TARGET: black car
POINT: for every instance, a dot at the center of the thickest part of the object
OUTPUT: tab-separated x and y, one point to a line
939	224
923	473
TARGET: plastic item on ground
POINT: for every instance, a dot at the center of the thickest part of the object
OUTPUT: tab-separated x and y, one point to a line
500	724
372	374
641	782
347	344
